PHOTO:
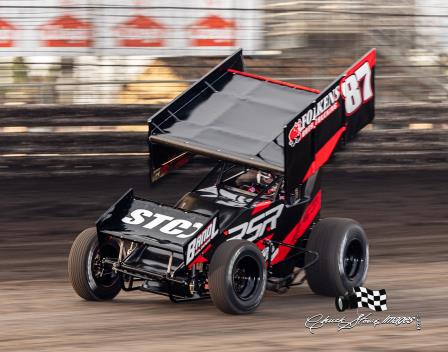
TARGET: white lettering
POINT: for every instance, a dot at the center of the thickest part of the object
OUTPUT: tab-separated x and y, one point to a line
257	226
314	116
167	224
201	241
196	225
137	217
158	220
170	228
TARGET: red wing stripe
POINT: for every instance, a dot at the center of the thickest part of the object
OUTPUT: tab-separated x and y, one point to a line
324	153
275	81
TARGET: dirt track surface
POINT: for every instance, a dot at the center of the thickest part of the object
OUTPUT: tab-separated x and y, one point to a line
405	216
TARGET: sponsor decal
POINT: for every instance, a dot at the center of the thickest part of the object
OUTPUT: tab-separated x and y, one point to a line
355	88
7	34
140	31
225	197
166	224
256	227
314	116
362	297
67	31
198	243
213	31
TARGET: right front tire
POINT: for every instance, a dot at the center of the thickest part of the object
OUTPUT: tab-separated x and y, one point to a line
90	277
237	277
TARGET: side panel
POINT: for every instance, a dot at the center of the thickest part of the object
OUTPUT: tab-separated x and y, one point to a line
340	111
266	219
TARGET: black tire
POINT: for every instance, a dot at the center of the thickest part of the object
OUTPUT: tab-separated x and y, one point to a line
84	266
343	256
237	277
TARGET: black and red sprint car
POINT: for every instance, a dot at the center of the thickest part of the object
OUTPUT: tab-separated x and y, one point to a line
253	222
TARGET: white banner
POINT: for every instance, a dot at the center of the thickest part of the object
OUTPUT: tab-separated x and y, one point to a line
129	27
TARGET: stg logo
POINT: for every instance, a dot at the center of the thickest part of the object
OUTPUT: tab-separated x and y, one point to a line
165	224
256	227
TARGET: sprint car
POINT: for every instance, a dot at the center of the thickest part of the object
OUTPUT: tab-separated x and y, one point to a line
253	223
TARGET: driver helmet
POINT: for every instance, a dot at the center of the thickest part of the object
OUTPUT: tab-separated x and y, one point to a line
264	178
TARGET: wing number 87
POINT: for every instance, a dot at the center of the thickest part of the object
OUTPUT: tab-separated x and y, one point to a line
357	88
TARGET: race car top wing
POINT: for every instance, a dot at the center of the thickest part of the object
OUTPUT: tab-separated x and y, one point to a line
228	115
338	112
263	123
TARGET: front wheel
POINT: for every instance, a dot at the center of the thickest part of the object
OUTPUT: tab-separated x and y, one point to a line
92	279
343	256
237	277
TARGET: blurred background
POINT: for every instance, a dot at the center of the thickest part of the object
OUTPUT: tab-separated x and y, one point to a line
78	81
132	51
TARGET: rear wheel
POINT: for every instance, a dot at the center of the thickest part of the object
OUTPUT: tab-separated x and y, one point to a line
237	277
343	256
90	277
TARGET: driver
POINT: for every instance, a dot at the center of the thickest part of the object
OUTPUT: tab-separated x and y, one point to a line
256	181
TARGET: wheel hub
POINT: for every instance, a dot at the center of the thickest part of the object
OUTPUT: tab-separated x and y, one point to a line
353	259
103	273
245	278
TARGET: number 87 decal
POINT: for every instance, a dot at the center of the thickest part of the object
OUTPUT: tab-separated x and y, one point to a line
357	88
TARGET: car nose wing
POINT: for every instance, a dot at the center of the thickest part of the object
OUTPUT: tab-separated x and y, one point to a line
148	222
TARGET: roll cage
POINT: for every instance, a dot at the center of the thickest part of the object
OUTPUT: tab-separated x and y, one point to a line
221	180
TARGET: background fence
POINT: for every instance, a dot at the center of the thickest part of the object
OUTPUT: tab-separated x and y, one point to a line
108	52
117	55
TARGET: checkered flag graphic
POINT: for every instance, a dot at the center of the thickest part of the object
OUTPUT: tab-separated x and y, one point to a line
375	300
